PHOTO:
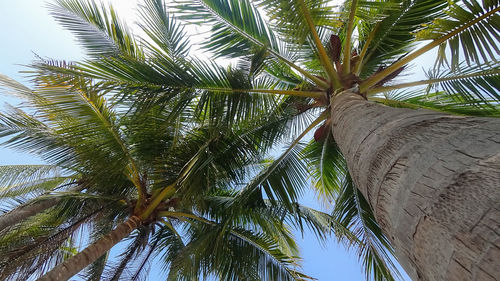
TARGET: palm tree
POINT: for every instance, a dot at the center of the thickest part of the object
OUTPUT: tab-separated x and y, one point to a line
166	178
426	178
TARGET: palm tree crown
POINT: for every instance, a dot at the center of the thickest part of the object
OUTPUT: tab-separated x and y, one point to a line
294	59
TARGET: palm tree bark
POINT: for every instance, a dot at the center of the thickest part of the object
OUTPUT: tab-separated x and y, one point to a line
78	262
23	212
433	181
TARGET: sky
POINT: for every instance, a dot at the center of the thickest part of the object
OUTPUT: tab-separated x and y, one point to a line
27	30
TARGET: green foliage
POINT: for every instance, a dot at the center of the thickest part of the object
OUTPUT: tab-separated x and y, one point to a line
165	32
237	26
98	29
479	43
133	120
394	35
478	84
351	210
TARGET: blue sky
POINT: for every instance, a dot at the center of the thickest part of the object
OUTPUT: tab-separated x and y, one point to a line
27	29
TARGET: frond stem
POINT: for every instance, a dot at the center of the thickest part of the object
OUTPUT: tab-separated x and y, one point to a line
347	44
436	42
313	78
323	56
166	192
133	174
307	94
371	36
377	90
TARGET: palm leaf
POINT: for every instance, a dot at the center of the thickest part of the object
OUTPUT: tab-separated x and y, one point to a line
374	249
478	41
388	39
18	180
98	29
167	34
237	26
480	83
351	210
440	101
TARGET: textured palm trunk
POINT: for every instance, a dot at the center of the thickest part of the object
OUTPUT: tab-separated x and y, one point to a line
23	212
433	181
78	262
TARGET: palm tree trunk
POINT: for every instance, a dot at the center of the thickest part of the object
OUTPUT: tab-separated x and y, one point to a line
433	181
23	212
29	209
78	262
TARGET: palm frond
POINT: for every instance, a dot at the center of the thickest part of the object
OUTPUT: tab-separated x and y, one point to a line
374	249
478	40
163	29
40	242
27	133
440	101
97	28
479	83
18	180
326	165
14	88
462	30
115	272
393	36
238	29
237	26
210	242
284	178
289	18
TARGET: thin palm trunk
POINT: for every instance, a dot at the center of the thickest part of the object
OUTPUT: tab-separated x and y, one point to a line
78	262
30	209
433	182
23	212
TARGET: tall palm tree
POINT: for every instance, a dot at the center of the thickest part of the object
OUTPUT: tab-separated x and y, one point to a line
393	159
166	178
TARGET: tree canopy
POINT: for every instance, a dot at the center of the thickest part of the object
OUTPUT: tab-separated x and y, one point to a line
142	117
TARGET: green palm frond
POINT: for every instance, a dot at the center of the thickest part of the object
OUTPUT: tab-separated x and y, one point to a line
239	29
139	270
19	180
289	18
35	245
374	249
440	101
475	28
27	133
479	83
233	107
351	210
237	26
321	224
12	87
210	243
459	32
161	28
393	36
327	166
97	28
115	271
283	179
172	245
